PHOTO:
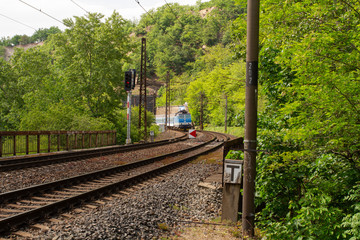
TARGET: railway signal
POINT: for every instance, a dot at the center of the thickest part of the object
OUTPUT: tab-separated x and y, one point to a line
129	84
128	80
133	76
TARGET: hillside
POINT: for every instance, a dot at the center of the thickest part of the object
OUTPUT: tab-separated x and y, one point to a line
9	51
308	132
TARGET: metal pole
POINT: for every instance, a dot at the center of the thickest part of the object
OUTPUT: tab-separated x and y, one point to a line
248	209
201	111
142	94
166	101
154	103
1	146
128	117
169	101
226	110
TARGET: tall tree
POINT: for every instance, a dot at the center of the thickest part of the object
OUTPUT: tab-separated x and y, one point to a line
91	54
310	75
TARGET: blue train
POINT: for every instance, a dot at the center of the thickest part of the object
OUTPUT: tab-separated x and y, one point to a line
181	119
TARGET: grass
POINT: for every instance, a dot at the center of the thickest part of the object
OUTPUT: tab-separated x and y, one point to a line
236	131
179	208
163	226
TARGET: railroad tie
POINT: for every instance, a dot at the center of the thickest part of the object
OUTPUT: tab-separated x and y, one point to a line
21	206
23	234
91	206
54	220
50	200
34	202
7	210
79	210
40	227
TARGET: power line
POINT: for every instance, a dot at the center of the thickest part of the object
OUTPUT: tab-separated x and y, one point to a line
79	6
170	8
138	2
17	21
42	12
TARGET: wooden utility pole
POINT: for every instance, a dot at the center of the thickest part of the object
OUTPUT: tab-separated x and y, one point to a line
226	110
142	94
154	103
252	52
201	111
167	101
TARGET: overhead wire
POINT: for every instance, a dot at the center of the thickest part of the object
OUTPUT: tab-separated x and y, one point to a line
79	6
138	2
17	21
167	4
42	12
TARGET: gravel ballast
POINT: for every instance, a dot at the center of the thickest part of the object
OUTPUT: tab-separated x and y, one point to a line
157	209
18	179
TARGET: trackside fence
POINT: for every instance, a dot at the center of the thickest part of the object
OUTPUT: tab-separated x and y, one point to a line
30	142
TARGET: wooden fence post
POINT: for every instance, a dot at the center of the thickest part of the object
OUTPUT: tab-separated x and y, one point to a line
14	139
1	146
49	142
38	143
27	144
67	141
83	140
58	142
96	139
89	140
75	140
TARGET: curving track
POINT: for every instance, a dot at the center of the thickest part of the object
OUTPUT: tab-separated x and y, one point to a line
34	161
23	205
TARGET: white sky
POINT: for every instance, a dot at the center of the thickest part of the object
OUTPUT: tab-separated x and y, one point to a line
61	9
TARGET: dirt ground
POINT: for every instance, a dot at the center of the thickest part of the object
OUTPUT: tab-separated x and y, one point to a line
208	232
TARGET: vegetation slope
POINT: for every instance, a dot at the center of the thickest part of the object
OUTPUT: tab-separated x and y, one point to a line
309	96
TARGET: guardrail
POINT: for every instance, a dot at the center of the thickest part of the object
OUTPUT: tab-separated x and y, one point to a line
29	142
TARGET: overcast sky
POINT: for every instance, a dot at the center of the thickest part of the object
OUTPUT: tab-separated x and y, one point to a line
31	19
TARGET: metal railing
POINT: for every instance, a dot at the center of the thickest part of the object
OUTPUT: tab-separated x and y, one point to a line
30	142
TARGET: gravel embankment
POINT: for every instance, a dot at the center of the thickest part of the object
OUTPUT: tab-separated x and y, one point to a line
149	213
17	179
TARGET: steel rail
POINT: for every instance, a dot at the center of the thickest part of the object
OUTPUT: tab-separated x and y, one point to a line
225	136
59	206
20	193
27	162
10	222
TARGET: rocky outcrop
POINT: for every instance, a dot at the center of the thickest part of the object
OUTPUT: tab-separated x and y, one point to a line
9	51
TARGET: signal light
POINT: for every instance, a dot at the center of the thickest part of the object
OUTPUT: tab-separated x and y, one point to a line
128	75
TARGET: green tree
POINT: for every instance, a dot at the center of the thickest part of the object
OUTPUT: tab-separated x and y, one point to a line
9	97
218	76
90	55
309	73
43	33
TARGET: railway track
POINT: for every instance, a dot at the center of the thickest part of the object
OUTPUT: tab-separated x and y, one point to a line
29	204
27	162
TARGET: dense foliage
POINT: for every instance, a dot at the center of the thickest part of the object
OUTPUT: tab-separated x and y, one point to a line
309	95
72	82
310	125
39	36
